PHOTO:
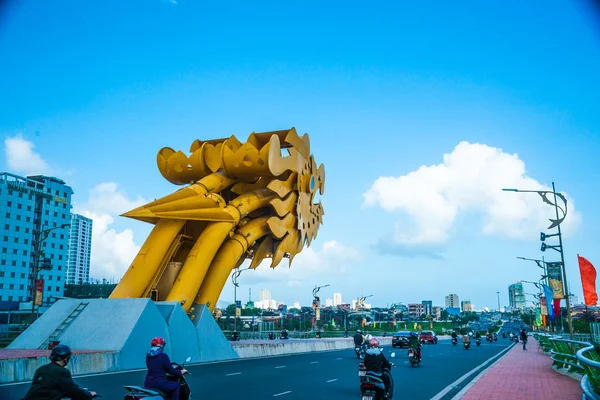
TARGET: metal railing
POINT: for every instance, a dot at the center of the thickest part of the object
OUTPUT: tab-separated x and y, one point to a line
577	357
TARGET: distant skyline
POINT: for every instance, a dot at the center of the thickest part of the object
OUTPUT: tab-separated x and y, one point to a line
420	114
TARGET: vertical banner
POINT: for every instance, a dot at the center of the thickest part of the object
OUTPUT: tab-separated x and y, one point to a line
39	292
555	279
588	281
548	294
538	317
543	306
238	308
556	308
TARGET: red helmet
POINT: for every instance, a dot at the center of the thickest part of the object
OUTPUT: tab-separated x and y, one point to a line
158	341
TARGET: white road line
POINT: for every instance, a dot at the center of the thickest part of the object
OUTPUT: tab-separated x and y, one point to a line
232	374
313	362
339	358
282	393
331	380
281	366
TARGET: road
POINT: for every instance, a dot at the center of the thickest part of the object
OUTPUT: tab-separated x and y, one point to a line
325	375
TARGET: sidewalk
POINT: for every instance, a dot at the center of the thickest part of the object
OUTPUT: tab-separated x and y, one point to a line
524	375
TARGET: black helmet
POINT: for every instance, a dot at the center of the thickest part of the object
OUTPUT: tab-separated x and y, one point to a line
60	353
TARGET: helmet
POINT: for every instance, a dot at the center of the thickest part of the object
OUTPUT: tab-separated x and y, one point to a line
374	342
358	331
60	353
158	341
413	334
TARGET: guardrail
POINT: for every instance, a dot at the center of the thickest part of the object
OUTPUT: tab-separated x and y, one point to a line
577	357
264	335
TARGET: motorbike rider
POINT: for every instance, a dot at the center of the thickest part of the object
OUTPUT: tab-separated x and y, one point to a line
368	337
53	380
414	343
159	365
375	362
358	338
466	339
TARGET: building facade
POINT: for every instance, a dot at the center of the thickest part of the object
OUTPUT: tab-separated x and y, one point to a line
265	295
328	302
29	206
416	310
516	296
467	306
427	307
80	246
452	301
337	299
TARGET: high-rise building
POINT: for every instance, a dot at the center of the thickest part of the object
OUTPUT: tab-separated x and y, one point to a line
337	299
80	245
452	301
466	306
29	206
516	296
328	302
427	307
265	295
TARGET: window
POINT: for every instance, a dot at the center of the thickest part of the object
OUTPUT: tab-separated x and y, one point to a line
22	276
48	202
1	274
17	228
26	230
14	263
18	217
65	195
49	288
14	251
4	250
7	215
6	226
11	286
28	208
52	245
50	278
26	241
57	289
57	192
55	214
53	235
10	297
24	252
58	278
21	287
6	238
9	203
59	267
12	274
19	206
47	212
16	240
24	264
64	216
1	285
60	257
62	236
3	262
61	247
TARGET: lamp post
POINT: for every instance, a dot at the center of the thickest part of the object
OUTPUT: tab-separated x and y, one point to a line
498	293
40	237
555	224
317	304
234	279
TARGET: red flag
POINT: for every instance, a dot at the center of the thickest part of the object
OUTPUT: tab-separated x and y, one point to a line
556	308
588	281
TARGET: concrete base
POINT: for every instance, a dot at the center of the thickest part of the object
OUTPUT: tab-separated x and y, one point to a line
127	326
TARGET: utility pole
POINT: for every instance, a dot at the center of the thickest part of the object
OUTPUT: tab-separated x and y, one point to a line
498	293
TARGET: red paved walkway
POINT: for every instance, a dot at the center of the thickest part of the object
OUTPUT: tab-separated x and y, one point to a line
524	375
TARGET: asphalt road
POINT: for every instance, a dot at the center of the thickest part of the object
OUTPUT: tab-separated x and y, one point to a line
325	375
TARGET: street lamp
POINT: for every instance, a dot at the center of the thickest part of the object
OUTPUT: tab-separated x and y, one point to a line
40	237
555	223
498	293
234	279
317	304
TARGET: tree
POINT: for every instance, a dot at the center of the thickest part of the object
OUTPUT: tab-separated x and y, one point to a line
444	315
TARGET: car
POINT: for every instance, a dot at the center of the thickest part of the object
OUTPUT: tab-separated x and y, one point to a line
429	337
400	339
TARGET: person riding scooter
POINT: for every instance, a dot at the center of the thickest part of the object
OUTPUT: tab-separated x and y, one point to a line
414	343
159	365
377	364
53	380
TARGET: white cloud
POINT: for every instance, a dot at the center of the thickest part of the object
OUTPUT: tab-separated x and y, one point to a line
112	250
21	157
470	179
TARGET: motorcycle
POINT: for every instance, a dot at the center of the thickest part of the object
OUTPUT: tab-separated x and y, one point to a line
495	338
372	386
362	371
413	358
454	341
97	395
467	345
504	335
478	342
140	392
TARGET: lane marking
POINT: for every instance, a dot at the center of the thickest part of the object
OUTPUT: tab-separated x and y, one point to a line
234	373
313	362
331	380
281	366
282	393
339	358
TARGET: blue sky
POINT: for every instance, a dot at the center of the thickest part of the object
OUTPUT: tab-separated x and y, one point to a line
99	87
